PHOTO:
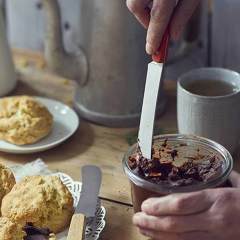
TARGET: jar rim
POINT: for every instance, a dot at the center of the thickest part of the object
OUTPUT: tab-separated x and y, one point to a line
167	188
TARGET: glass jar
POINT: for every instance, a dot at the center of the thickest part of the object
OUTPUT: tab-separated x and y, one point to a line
142	189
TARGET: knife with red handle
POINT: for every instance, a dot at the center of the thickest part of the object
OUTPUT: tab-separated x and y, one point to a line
161	55
154	74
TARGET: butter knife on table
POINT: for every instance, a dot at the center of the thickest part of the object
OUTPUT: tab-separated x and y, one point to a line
154	74
86	207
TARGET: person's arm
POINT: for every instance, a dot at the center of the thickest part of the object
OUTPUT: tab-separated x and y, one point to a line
208	214
157	19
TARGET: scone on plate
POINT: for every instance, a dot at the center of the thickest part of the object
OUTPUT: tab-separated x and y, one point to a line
7	181
43	201
23	120
10	230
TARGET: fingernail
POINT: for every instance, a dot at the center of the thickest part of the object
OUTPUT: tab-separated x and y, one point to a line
145	206
136	219
149	48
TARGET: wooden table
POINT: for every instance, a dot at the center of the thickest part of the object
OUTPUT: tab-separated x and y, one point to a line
91	144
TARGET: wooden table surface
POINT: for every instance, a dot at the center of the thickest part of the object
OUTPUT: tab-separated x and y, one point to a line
91	144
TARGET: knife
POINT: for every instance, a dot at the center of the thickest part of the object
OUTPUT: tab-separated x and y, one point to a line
86	207
154	74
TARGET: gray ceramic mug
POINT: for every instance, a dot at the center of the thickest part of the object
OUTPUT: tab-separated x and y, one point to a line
213	117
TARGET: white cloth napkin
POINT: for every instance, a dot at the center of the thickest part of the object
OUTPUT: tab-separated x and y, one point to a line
37	167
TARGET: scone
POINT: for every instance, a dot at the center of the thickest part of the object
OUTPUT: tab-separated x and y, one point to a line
10	230
43	201
7	181
23	120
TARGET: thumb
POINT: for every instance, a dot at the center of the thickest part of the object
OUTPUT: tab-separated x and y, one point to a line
179	204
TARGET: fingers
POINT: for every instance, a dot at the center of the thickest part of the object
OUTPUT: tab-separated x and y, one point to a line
160	15
157	19
182	14
179	204
176	236
235	179
140	10
173	224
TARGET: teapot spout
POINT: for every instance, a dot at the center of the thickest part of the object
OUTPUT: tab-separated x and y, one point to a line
70	66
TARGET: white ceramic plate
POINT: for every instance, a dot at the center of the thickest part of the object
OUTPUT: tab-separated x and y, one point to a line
65	124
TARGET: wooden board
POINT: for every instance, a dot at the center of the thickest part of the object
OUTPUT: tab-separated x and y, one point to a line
91	144
119	223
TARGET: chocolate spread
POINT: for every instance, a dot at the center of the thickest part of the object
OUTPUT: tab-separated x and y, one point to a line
175	165
35	233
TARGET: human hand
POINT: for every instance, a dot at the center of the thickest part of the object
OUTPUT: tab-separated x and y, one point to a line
204	215
156	19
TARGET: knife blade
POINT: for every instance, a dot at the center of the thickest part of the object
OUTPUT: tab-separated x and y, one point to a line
145	133
86	207
91	181
154	74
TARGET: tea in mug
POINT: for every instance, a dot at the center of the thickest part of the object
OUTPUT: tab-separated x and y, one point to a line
211	88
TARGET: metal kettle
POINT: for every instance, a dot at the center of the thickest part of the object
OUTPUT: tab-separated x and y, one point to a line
110	65
114	44
8	78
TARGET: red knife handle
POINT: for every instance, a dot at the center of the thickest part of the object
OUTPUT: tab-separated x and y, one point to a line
161	54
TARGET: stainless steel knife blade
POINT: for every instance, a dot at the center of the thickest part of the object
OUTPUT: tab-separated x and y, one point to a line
145	134
91	182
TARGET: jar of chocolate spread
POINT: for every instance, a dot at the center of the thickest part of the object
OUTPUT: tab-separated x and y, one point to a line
179	163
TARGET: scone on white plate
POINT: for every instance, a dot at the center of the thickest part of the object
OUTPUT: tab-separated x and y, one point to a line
43	201
23	120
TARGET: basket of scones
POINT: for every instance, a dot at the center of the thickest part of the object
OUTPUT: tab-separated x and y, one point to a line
34	208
